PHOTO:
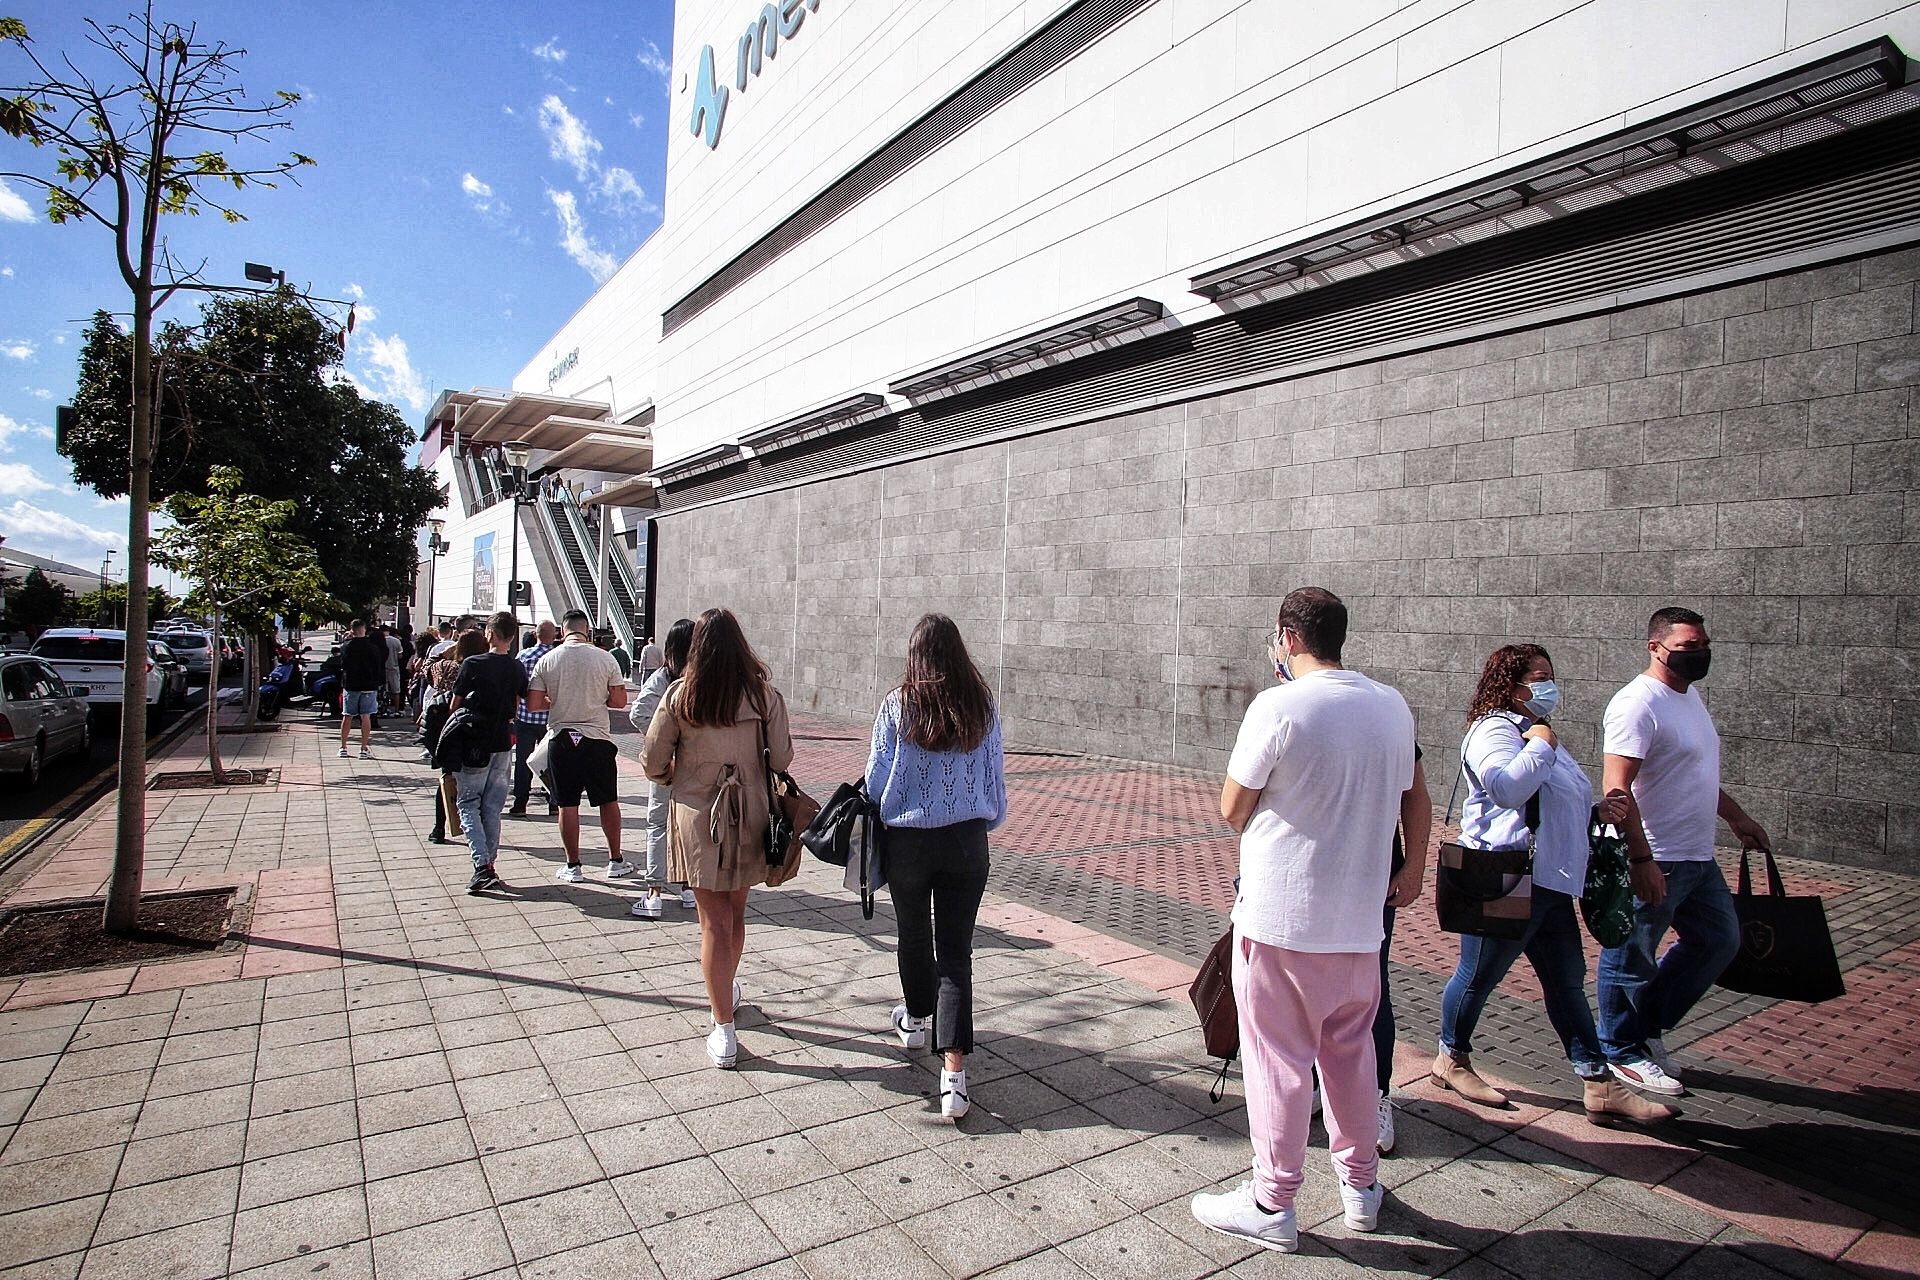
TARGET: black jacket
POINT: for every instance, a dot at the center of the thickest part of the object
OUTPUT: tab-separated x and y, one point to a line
463	742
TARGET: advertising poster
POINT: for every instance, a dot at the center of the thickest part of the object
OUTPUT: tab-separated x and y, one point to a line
483	573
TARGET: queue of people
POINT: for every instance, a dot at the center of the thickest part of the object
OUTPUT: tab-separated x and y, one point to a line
1325	786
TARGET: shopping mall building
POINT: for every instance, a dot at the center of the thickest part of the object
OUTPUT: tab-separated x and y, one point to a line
1100	325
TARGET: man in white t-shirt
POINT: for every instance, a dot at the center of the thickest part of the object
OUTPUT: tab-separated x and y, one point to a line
1661	745
1315	786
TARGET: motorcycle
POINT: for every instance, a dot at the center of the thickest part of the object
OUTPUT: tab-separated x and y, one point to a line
284	685
323	686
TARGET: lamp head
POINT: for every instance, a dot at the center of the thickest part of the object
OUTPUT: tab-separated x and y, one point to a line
518	452
436	524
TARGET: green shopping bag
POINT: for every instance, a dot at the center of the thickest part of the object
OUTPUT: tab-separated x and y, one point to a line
1606	904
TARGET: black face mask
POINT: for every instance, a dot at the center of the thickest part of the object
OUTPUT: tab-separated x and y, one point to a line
1689	664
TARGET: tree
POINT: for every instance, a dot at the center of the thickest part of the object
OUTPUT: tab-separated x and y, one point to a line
40	603
256	386
249	567
127	155
110	602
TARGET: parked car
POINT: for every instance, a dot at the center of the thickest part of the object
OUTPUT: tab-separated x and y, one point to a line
174	691
192	648
41	718
95	658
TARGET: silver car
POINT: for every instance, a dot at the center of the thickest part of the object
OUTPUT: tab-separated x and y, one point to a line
193	650
41	717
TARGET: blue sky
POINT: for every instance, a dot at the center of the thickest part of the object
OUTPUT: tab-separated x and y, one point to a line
481	166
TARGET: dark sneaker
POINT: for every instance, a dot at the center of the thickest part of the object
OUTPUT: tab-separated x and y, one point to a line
519	809
483	878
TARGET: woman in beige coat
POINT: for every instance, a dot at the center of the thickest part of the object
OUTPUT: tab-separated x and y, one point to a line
705	742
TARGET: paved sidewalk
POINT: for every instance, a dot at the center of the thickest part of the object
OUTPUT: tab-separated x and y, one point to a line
394	1079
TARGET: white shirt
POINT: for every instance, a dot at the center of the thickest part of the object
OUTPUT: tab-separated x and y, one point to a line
652	657
1331	753
1504	770
1678	786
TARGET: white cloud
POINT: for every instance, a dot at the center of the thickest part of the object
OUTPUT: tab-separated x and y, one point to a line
653	60
13	208
390	372
17	349
637	120
621	191
480	195
53	534
568	138
579	246
550	51
17	479
9	428
354	291
41	393
59	339
7	272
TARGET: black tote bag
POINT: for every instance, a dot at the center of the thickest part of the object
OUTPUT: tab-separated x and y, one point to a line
1786	950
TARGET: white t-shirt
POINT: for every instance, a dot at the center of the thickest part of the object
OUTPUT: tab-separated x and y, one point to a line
1678	787
1331	754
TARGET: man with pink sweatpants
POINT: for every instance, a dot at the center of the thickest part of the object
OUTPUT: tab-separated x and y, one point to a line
1314	786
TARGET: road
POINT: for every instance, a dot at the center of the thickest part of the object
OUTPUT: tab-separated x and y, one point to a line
23	812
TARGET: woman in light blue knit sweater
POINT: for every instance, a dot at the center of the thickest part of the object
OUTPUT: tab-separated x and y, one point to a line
937	772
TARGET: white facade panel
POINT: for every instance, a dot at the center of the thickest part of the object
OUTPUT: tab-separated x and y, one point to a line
1196	133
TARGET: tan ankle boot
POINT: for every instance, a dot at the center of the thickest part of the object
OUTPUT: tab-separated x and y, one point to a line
1609	1104
1456	1074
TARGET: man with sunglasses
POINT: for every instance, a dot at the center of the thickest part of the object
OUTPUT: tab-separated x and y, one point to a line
1661	746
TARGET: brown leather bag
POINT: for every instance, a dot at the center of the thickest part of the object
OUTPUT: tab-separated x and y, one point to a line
790	811
1212	996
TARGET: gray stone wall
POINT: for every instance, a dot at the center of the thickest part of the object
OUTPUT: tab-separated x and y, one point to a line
1751	452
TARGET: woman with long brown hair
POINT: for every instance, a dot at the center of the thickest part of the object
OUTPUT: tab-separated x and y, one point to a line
705	742
937	772
1525	790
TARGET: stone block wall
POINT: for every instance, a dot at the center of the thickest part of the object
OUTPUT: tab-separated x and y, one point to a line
1752	452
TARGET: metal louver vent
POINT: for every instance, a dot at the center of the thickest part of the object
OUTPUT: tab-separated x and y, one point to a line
1020	67
1862	183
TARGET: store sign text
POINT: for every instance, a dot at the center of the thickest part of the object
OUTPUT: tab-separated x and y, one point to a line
564	366
760	43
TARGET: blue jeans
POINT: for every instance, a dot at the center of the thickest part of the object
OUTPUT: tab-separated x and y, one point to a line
483	793
1642	996
1552	942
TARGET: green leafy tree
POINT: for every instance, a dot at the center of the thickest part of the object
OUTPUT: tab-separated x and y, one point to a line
237	547
39	603
256	386
131	145
111	603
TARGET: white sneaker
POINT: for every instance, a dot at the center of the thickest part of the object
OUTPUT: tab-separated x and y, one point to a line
1657	1051
1645	1073
723	1047
647	907
1386	1124
621	870
953	1094
912	1031
1235	1213
426	755
1362	1206
687	900
365	754
343	753
570	874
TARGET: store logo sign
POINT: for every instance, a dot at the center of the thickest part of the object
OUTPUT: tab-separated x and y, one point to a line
564	366
758	44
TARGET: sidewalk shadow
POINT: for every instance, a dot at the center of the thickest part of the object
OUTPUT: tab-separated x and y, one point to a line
1875	1104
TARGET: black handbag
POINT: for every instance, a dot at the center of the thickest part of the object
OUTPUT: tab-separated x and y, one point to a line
1786	950
789	810
1606	900
1488	892
1212	997
847	832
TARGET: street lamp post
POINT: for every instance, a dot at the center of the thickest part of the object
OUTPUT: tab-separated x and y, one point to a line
435	549
106	614
517	453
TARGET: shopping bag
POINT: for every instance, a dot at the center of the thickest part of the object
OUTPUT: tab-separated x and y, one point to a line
1786	950
1606	903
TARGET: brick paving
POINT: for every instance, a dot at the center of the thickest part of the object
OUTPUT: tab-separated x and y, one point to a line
399	1080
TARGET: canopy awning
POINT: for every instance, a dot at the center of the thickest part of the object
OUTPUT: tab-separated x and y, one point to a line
638	491
624	452
488	416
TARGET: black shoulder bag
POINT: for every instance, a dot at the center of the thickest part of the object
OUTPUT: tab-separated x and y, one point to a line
1488	892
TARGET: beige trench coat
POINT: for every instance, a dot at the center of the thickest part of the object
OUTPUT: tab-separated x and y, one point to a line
717	819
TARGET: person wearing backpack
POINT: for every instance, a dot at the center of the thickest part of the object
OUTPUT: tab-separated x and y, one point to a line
489	687
1510	756
937	771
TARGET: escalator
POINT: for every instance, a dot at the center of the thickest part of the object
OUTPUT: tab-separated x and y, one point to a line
567	530
579	548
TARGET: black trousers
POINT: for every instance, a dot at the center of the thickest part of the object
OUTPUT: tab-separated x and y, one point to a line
525	738
936	876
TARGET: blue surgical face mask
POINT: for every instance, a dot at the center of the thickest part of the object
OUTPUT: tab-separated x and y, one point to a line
1545	697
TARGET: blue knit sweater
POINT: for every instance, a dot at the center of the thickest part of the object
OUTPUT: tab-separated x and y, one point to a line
919	788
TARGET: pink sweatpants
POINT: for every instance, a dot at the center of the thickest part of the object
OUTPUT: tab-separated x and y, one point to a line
1297	1007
